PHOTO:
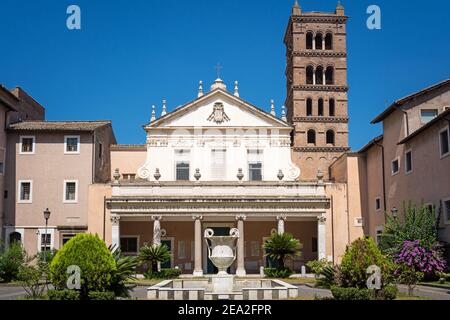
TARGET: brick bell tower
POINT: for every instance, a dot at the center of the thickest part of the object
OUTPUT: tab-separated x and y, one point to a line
316	98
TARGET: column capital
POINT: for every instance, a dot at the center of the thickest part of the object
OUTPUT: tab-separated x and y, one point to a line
115	219
241	217
281	217
197	217
156	218
322	219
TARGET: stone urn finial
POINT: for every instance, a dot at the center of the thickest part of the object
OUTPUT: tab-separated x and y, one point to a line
116	175
240	175
280	175
157	174
197	175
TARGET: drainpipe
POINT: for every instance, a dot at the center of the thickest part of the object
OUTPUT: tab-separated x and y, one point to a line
384	179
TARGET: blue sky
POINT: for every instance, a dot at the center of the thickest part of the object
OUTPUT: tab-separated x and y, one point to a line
132	54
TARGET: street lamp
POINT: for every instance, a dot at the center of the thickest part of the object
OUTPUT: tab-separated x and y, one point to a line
46	217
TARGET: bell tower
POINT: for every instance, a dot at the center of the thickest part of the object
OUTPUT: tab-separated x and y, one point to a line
316	99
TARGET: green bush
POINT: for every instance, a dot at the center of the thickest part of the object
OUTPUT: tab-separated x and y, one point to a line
63	295
359	256
94	259
278	272
350	294
124	273
11	261
97	295
163	274
279	247
389	292
443	277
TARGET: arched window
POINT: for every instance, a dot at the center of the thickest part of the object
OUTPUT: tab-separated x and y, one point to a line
309	75
332	108
311	137
329	75
330	137
15	237
319	75
319	39
320	108
309	40
329	41
309	107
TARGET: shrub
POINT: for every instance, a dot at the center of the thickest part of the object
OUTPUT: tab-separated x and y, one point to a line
428	261
33	277
163	274
124	272
98	295
359	256
408	276
94	259
350	294
389	292
63	295
317	266
443	277
11	261
154	254
281	246
278	272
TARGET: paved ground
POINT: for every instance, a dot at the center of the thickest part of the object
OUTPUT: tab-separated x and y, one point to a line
140	292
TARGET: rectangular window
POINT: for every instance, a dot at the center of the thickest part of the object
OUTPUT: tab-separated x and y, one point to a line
71	144
218	164
2	170
27	145
25	191
395	167
378	204
182	171
447	210
66	238
129	245
408	161
314	245
444	142
255	171
100	151
70	191
129	176
428	115
379	235
46	242
181	250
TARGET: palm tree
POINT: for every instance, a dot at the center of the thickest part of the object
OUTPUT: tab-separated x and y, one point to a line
154	254
125	271
281	246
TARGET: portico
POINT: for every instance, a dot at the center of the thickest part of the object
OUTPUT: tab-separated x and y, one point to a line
178	215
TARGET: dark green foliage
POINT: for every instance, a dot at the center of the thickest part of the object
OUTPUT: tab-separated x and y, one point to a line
281	246
10	262
414	224
94	259
124	272
154	254
165	274
98	295
63	295
359	256
324	272
389	292
350	294
278	272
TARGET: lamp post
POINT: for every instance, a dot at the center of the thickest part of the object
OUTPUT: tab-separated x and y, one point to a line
46	217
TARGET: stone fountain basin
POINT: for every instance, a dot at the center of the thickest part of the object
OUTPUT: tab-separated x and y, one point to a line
243	289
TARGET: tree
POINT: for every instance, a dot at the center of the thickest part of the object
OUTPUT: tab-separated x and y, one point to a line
154	254
124	272
281	246
33	276
416	224
10	262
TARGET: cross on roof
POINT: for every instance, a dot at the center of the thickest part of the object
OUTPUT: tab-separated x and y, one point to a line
218	68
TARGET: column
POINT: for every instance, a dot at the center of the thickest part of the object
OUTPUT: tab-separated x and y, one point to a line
323	77
156	230
314	76
314	43
323	43
115	230
281	220
240	271
321	237
198	270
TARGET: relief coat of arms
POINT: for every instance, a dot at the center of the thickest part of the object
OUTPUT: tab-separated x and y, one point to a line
218	115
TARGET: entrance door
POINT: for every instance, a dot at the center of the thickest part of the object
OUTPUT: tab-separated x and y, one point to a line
218	231
167	264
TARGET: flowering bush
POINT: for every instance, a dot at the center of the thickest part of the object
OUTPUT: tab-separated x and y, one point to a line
420	258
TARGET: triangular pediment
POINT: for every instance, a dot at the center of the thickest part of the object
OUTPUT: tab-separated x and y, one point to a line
218	109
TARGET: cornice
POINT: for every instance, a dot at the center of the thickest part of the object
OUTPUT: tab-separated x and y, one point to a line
319	19
322	119
318	53
321	149
311	87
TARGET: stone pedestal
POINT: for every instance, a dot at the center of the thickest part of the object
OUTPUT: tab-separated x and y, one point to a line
222	283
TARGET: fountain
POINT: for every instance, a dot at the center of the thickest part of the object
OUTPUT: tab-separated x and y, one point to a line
222	286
